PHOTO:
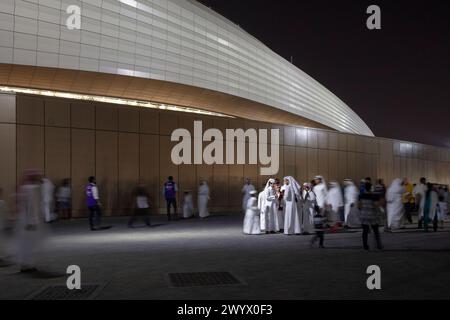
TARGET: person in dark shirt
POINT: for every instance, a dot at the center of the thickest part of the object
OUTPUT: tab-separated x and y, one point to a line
369	203
319	226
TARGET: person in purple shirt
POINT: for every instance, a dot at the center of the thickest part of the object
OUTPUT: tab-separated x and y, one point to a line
93	203
170	190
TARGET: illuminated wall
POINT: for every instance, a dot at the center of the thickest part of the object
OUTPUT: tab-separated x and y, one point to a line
122	145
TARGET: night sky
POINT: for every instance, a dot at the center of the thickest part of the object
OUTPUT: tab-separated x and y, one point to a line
397	79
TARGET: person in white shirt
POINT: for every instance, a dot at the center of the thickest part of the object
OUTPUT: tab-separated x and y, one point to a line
142	207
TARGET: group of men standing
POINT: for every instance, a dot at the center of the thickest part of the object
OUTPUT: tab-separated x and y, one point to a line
291	207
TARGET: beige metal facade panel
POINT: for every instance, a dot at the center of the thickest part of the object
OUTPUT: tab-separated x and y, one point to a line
7	108
8	162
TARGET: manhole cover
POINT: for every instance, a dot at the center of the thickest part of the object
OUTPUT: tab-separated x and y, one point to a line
203	279
62	293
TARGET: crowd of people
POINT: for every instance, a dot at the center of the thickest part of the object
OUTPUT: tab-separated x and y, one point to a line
285	206
316	206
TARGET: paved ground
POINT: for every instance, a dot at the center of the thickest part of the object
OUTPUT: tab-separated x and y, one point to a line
133	263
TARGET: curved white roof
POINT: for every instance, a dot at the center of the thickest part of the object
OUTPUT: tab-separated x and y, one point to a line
180	41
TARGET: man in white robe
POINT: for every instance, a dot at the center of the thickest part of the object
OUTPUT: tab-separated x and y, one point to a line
320	190
269	208
251	220
395	209
203	197
351	210
261	206
246	189
419	194
308	209
188	205
48	189
30	224
335	202
292	206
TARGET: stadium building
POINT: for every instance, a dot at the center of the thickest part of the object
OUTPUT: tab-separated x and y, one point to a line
103	99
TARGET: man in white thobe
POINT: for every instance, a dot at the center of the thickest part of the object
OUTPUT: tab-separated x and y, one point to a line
203	197
308	209
419	194
251	221
269	208
395	209
48	189
320	190
292	206
246	189
351	210
188	205
30	224
334	201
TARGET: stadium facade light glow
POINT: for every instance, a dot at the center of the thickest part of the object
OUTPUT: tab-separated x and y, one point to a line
113	100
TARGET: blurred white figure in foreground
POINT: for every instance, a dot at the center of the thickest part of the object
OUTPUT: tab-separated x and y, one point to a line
48	190
203	197
246	189
395	210
30	224
251	220
188	205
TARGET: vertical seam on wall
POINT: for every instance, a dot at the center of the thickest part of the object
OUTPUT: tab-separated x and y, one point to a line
70	152
45	142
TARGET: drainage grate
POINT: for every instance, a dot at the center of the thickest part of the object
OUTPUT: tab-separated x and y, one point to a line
62	293
203	279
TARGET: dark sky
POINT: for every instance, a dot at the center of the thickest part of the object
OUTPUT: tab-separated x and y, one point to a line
397	78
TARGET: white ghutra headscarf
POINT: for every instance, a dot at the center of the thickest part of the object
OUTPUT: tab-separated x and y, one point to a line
294	185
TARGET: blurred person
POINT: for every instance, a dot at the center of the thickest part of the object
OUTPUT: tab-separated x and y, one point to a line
319	228
395	210
308	208
48	192
188	205
141	206
368	205
368	186
246	189
64	199
430	207
262	219
335	203
269	208
170	190
362	186
280	203
93	204
31	221
351	211
203	198
408	199
419	195
320	190
3	227
442	211
380	189
292	206
252	225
